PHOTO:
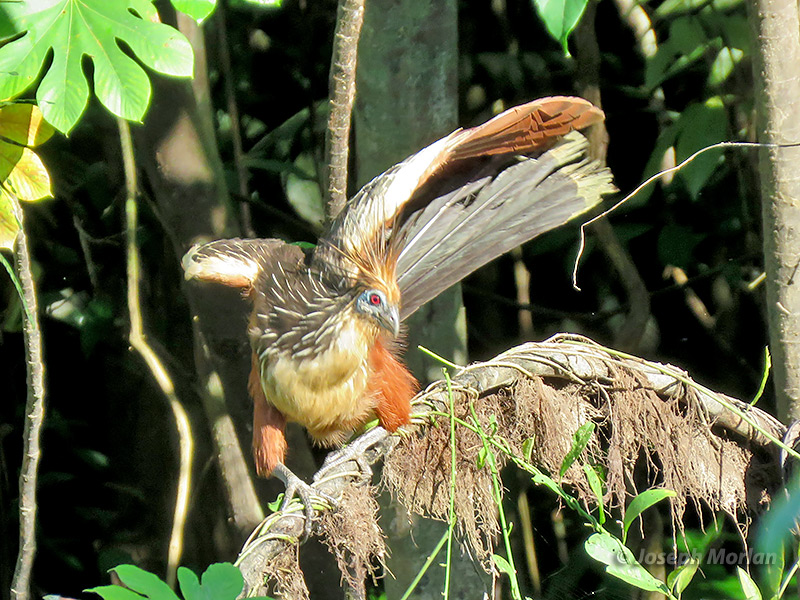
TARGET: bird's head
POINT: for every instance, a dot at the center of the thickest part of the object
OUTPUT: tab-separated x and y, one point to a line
377	306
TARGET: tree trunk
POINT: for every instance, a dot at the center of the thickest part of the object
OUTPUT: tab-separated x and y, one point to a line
407	98
178	152
777	71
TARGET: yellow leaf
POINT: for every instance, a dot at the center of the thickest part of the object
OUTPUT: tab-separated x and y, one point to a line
28	178
9	226
23	124
21	169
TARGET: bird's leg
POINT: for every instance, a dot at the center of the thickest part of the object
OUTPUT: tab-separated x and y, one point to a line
306	493
353	452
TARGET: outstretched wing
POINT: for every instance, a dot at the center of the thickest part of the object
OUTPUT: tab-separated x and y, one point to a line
360	240
239	263
458	232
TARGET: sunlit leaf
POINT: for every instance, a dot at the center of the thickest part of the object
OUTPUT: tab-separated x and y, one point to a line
621	563
503	565
23	123
641	503
749	587
723	65
580	439
22	172
72	29
679	579
597	489
560	17
196	9
9	225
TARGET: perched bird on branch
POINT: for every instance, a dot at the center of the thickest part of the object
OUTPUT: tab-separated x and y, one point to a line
325	323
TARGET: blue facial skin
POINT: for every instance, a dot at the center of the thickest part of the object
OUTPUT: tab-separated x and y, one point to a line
373	303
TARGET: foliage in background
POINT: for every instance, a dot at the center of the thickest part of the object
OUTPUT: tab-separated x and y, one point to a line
220	581
72	29
703	221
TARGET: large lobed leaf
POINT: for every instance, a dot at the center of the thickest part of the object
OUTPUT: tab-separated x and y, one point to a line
72	29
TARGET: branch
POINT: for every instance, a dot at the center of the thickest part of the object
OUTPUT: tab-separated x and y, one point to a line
139	343
777	24
563	358
342	85
34	414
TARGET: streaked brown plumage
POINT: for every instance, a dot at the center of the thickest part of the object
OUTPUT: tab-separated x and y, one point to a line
324	323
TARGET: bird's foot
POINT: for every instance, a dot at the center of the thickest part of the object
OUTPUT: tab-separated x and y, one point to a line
355	452
305	492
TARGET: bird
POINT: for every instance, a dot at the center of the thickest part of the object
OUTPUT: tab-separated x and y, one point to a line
326	324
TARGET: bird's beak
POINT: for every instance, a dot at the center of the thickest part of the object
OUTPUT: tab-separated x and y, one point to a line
390	320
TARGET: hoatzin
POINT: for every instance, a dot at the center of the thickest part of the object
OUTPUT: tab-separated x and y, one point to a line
325	323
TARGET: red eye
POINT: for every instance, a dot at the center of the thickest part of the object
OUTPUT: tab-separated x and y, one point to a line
375	300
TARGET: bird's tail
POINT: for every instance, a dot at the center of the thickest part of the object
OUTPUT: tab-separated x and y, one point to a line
457	232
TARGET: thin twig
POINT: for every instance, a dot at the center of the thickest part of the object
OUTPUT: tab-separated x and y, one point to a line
139	343
34	414
342	85
236	129
651	179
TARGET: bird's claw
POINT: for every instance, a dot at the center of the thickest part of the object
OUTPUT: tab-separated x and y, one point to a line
296	487
355	452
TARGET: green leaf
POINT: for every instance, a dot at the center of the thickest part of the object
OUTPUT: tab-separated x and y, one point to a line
222	581
597	489
189	584
580	439
114	592
723	65
196	9
676	245
560	17
640	504
665	141
275	505
764	376
503	565
73	29
480	461
527	449
687	43
700	126
679	579
621	563
12	274
671	8
144	583
9	224
749	587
